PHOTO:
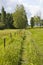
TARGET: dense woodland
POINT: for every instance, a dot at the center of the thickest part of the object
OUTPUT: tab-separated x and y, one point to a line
15	20
18	19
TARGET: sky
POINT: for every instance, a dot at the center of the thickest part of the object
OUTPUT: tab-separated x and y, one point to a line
32	7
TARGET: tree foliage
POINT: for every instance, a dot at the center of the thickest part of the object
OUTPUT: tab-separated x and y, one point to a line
6	20
32	22
20	18
37	20
9	21
0	17
3	15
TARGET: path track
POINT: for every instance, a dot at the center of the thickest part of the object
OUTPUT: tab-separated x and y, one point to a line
29	53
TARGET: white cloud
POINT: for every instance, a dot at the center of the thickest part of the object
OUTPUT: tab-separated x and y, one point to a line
10	5
32	7
20	1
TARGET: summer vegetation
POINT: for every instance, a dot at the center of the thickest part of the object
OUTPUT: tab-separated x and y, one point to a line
21	47
17	19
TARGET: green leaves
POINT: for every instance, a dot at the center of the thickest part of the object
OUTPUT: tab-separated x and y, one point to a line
32	22
20	18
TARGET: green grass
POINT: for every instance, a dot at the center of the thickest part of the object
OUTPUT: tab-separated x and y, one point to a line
23	47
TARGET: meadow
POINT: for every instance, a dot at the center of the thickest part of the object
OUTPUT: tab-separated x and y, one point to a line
21	47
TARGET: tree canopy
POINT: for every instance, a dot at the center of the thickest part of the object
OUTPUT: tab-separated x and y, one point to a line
6	20
20	17
32	22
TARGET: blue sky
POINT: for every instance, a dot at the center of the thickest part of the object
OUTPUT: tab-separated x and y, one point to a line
32	7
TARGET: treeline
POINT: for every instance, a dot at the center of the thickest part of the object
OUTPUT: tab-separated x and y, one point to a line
36	21
15	20
18	19
6	20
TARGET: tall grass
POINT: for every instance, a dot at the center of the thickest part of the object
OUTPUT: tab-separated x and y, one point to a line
22	47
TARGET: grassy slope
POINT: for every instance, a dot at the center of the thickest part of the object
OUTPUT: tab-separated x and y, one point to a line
23	47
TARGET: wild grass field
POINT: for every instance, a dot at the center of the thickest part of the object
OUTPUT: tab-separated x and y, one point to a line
21	47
